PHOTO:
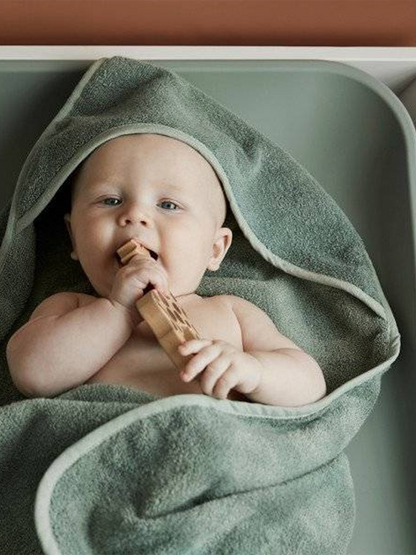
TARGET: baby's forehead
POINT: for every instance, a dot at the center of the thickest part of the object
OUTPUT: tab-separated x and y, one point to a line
168	155
175	173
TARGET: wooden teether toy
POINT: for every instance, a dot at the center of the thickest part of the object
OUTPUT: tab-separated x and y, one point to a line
130	249
168	321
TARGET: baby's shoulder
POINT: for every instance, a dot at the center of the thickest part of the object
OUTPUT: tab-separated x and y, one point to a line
84	299
237	306
219	301
233	302
245	311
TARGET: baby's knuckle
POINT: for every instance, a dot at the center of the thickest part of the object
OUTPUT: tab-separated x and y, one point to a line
218	341
211	368
234	366
139	277
163	275
225	347
225	380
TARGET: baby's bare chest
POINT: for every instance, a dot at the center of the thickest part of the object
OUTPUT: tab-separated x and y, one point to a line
143	364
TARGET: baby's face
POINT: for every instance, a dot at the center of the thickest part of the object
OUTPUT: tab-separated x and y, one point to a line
158	190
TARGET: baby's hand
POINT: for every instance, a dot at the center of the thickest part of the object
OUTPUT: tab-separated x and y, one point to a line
224	367
133	278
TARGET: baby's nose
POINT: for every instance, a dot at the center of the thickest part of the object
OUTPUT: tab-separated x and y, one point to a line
133	215
142	220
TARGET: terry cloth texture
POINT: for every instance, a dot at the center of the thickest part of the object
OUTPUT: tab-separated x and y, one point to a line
105	468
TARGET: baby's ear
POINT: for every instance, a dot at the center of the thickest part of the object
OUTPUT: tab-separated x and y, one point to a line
220	247
67	218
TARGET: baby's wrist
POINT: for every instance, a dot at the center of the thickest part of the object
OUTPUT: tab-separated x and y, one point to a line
133	315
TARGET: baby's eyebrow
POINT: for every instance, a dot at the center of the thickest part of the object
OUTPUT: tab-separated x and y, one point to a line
165	188
110	183
174	187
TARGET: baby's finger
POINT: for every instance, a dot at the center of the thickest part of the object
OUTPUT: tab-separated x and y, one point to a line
212	376
159	283
193	346
156	280
199	362
229	379
139	260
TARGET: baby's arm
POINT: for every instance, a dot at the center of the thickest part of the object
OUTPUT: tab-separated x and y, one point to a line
290	376
63	345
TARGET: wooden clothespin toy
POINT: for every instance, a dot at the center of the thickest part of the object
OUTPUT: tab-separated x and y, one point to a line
168	321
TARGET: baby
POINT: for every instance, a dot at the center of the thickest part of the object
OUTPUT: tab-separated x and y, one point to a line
165	194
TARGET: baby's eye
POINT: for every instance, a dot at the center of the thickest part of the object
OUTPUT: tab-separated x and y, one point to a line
111	198
118	200
170	202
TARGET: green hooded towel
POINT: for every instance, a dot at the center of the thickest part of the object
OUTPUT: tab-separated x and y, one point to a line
105	468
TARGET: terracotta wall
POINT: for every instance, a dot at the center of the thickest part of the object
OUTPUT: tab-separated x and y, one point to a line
209	22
